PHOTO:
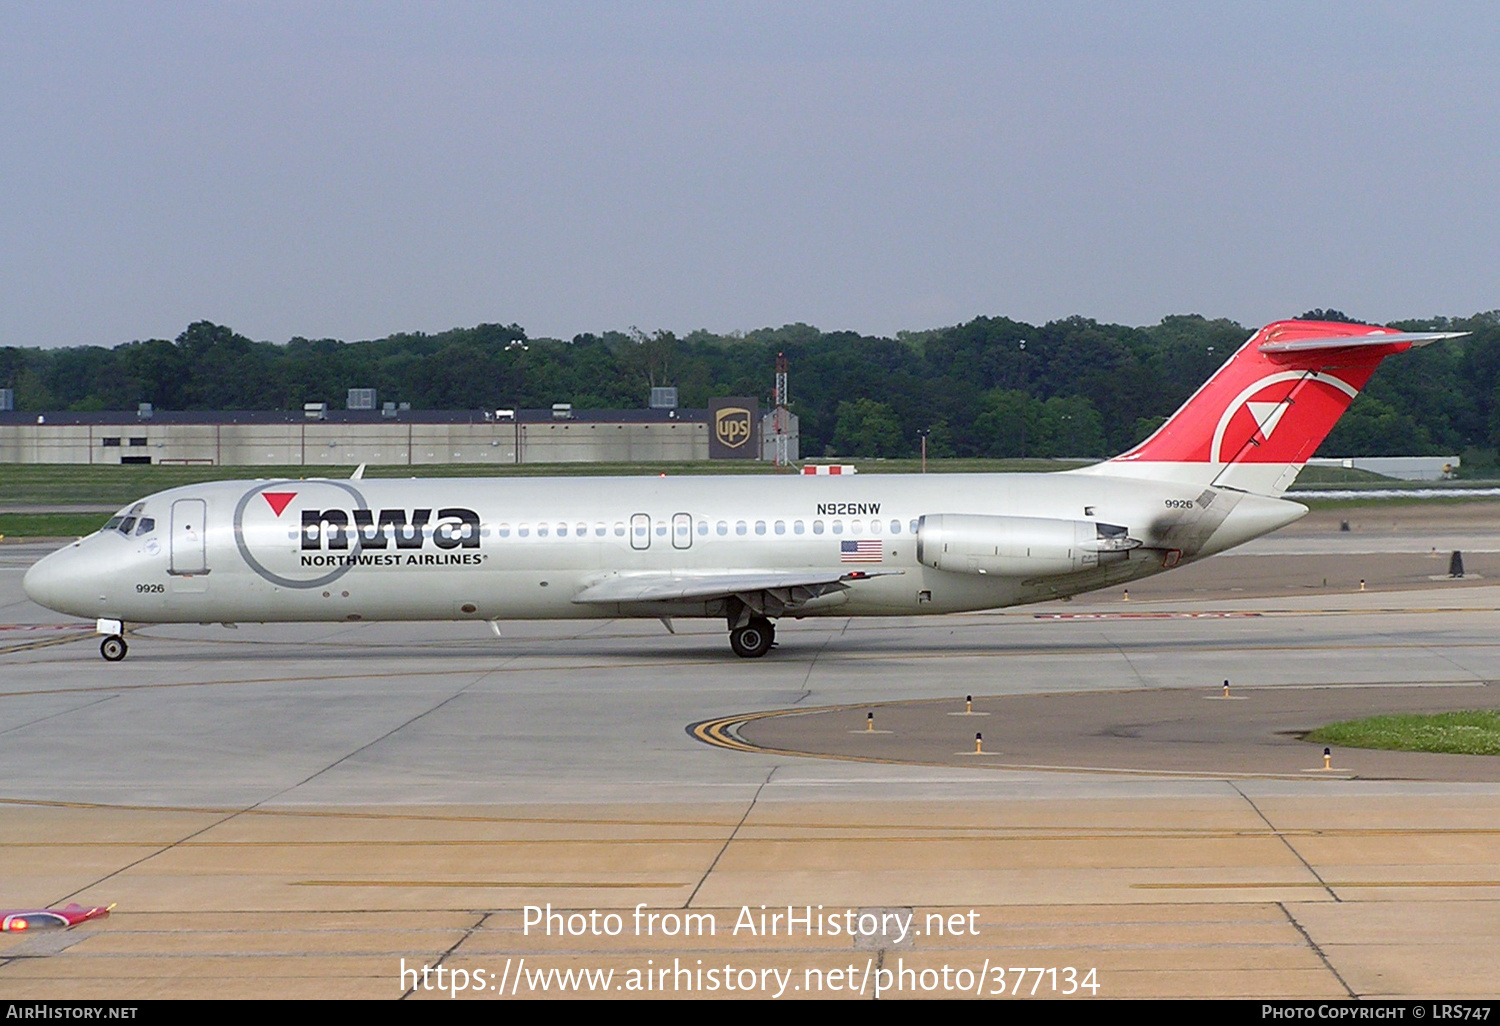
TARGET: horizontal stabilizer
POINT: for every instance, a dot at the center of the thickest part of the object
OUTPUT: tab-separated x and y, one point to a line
1413	338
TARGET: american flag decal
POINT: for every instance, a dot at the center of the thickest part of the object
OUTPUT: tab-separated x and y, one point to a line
868	551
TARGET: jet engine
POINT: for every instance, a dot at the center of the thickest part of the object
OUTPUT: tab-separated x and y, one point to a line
1019	546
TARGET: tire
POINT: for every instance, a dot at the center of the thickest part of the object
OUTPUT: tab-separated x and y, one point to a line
113	648
754	639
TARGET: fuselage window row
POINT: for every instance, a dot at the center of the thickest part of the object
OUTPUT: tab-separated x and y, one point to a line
742	528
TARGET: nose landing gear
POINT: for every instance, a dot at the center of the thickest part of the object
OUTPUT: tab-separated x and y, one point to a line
113	647
754	639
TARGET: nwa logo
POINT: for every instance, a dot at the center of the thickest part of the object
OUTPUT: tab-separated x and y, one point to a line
308	534
331	528
732	426
1279	417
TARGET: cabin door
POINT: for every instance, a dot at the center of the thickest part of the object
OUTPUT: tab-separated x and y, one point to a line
189	554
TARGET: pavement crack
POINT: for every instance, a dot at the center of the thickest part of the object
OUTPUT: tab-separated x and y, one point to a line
484	917
1286	841
272	797
53	716
730	839
1120	649
370	744
806	677
1316	949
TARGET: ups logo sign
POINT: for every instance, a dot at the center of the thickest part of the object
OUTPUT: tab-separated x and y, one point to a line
733	423
732	426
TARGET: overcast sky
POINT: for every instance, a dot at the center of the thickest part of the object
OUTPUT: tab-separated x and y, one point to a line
352	170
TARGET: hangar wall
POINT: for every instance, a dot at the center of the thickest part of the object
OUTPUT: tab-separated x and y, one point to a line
348	443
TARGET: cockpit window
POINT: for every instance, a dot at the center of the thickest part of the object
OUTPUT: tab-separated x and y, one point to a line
127	525
112	523
146	526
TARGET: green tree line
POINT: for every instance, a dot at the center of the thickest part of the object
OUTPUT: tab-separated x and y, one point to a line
992	387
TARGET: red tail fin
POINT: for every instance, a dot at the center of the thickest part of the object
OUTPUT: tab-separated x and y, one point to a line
1254	424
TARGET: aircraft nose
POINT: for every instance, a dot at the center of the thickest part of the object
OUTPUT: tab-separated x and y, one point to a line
60	582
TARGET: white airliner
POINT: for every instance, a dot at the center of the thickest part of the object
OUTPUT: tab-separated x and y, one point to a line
744	549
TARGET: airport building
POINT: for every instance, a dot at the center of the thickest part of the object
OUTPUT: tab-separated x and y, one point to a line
318	436
1403	468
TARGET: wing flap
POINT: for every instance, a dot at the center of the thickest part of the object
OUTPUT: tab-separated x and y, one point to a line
665	587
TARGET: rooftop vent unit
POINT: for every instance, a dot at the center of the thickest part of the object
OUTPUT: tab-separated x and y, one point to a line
562	411
361	399
664	398
315	411
144	411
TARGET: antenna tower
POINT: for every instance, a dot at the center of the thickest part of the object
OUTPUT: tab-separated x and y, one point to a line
780	417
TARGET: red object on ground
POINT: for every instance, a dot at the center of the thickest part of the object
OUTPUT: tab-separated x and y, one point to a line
17	920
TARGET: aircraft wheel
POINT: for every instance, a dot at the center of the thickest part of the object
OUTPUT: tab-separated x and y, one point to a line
113	648
754	639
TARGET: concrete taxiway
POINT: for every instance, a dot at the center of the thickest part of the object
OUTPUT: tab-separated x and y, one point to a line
293	810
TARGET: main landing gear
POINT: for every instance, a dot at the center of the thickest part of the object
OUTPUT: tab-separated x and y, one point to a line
754	639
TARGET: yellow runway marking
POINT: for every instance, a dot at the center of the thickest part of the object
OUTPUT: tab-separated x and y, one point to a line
961	835
588	885
29	646
1314	884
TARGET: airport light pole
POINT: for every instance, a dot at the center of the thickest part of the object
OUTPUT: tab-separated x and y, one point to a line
1025	397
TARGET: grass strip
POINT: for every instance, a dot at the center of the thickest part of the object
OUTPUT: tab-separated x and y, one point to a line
50	525
1471	732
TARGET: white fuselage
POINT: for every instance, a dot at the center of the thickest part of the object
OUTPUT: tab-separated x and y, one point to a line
518	548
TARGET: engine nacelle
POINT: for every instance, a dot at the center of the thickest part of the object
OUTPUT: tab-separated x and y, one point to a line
1018	546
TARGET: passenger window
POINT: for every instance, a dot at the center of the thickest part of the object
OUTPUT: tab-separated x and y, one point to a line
504	530
797	527
562	530
895	527
874	526
838	527
817	527
722	527
619	529
857	526
600	530
760	527
523	531
913	527
661	528
781	527
541	530
739	527
582	530
703	527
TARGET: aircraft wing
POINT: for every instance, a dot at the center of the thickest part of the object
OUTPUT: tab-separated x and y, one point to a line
661	587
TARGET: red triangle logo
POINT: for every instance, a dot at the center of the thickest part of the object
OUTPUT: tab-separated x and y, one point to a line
279	500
